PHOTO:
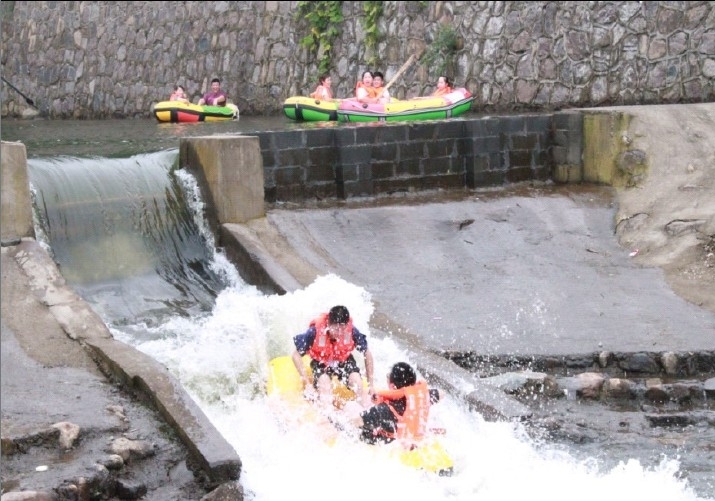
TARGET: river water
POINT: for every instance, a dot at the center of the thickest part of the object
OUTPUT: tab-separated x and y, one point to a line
125	227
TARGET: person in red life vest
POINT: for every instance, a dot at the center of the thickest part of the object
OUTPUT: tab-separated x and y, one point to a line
322	91
400	413
216	97
329	341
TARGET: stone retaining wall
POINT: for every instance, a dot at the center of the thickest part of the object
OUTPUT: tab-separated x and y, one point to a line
114	59
344	162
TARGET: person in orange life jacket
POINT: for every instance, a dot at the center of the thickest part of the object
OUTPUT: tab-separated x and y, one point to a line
330	341
444	86
364	91
322	91
400	413
382	95
216	97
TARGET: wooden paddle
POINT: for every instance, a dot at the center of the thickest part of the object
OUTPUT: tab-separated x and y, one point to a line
27	99
404	67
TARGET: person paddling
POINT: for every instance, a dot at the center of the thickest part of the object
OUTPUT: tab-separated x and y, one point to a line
382	95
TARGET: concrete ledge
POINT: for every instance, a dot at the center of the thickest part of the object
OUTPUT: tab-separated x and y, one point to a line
212	454
230	172
142	373
258	267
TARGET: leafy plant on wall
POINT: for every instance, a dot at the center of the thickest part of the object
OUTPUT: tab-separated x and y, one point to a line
373	11
324	19
439	55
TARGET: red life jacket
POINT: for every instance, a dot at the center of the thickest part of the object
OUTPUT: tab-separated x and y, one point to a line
326	351
412	425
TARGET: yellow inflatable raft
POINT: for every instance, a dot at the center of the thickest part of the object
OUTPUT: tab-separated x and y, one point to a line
284	383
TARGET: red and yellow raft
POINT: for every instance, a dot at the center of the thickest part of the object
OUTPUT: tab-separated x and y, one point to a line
176	111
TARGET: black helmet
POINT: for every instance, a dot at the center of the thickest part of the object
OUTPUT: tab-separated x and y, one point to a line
338	315
402	374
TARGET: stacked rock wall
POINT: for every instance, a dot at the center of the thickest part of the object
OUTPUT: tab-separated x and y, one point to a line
114	59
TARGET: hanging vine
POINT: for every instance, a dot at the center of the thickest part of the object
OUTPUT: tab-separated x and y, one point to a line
373	12
324	19
440	53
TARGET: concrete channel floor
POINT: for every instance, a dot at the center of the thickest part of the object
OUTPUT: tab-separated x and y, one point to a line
532	273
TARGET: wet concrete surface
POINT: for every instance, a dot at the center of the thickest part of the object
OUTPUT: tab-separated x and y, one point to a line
536	271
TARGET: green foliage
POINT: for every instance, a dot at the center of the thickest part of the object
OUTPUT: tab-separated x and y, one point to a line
324	19
373	11
441	51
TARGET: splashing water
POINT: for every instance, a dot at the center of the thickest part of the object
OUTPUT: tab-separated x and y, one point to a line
222	361
220	354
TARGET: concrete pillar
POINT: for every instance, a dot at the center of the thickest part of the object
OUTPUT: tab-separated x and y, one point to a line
16	208
602	145
230	172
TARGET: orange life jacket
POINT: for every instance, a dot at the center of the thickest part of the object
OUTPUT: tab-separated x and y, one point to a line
319	90
378	91
326	351
442	91
412	425
371	91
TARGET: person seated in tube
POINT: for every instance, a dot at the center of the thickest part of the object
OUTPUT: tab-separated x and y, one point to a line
179	95
329	341
400	413
382	95
364	90
444	86
323	92
215	97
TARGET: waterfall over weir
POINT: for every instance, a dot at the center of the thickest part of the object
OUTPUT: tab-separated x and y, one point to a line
124	234
128	235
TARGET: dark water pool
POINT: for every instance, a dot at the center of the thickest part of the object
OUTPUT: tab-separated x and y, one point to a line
125	137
